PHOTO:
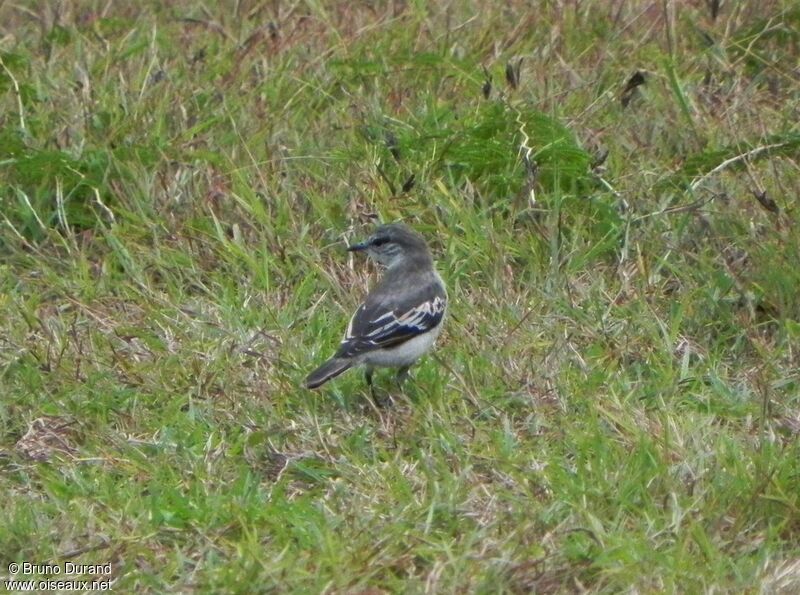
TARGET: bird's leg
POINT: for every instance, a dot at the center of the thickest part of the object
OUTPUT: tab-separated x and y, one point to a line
368	378
402	374
379	402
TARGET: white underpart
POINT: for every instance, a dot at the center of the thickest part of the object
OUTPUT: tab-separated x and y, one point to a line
404	354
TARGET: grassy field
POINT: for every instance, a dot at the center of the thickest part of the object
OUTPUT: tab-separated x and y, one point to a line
611	193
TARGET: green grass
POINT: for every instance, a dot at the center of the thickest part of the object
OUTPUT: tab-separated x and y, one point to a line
615	402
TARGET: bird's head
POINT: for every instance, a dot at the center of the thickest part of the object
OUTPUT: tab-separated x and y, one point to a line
392	243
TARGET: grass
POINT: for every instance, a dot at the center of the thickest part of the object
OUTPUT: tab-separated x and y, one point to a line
615	402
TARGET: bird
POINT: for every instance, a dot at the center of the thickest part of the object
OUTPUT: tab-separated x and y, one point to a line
400	318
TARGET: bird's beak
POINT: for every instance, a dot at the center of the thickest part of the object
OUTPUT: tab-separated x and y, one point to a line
358	247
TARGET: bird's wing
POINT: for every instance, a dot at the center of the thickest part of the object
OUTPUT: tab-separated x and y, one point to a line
386	321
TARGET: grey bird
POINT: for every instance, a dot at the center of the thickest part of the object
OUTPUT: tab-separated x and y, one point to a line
400	318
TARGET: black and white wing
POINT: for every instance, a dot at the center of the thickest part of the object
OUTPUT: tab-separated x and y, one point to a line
385	321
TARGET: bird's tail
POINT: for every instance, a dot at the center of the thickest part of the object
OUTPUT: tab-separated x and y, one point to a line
330	369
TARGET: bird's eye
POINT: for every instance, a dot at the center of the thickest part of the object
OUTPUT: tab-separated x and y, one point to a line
380	241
